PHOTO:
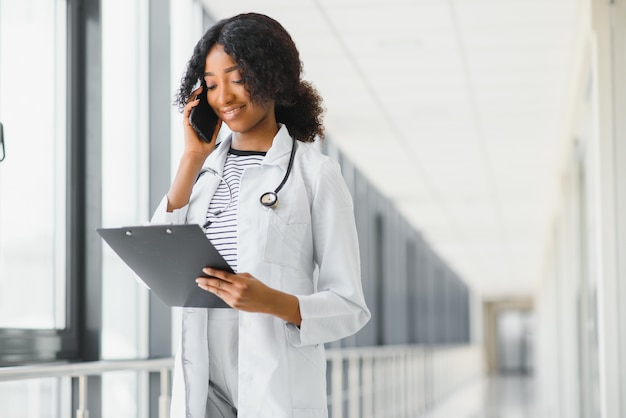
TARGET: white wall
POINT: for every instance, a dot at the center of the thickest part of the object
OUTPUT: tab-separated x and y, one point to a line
580	331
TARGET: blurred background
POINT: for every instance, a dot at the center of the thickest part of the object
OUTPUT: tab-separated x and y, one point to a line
483	141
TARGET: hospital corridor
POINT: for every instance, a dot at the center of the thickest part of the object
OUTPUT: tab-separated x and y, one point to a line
452	246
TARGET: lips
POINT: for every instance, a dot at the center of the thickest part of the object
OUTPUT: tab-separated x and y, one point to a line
231	112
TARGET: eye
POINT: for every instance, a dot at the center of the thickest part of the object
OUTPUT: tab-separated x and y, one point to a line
238	81
210	87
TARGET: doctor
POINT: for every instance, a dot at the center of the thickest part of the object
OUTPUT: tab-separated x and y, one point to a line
280	213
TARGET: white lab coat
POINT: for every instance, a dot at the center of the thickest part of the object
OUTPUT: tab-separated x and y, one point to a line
282	369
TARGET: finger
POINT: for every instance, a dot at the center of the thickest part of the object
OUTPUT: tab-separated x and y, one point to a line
193	102
207	288
187	113
220	274
206	281
195	95
211	284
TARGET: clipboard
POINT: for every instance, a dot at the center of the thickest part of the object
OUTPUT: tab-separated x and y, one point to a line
168	259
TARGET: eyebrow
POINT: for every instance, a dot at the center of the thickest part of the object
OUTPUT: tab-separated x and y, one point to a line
226	71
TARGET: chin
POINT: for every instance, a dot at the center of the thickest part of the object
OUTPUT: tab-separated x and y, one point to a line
229	126
236	127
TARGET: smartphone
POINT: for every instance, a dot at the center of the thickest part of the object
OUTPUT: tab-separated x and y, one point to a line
203	118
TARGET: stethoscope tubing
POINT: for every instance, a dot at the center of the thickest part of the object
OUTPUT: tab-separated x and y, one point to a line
270	199
267	199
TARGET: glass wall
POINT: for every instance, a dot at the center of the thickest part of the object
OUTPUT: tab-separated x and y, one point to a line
33	199
33	173
125	105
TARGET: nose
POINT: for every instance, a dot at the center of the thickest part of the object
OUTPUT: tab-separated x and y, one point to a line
226	95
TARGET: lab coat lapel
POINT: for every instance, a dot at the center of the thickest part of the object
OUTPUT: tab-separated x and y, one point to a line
208	183
279	153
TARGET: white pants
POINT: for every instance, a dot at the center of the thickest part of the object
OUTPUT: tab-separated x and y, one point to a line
223	337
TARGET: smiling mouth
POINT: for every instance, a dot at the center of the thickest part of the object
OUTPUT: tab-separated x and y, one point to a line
231	112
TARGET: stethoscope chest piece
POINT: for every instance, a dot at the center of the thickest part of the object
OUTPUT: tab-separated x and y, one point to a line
269	199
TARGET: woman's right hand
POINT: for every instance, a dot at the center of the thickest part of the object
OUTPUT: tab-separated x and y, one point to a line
192	160
193	143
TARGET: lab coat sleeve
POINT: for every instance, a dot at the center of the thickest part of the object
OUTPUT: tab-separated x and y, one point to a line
162	217
337	309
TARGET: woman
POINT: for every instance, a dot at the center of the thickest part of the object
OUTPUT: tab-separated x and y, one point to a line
297	279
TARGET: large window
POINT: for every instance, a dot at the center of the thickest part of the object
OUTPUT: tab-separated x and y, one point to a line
34	319
33	173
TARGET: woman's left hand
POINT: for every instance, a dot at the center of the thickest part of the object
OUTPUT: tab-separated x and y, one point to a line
244	292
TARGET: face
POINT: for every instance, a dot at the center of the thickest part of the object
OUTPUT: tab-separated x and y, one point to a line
229	98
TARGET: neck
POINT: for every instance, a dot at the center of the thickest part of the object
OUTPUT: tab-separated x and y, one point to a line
259	139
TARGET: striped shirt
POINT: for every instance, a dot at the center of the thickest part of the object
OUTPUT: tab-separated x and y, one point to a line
221	218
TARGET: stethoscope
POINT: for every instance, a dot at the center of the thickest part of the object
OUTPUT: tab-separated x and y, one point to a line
267	199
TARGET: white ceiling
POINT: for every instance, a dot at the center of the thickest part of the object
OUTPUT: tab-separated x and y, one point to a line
452	109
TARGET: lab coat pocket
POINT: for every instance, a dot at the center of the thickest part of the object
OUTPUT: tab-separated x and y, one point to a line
284	241
309	371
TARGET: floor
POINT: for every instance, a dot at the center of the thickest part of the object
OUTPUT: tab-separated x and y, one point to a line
494	397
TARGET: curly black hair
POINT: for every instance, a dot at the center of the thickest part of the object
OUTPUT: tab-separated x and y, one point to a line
271	69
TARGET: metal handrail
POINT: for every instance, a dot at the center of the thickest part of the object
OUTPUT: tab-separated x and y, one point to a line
82	370
364	381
